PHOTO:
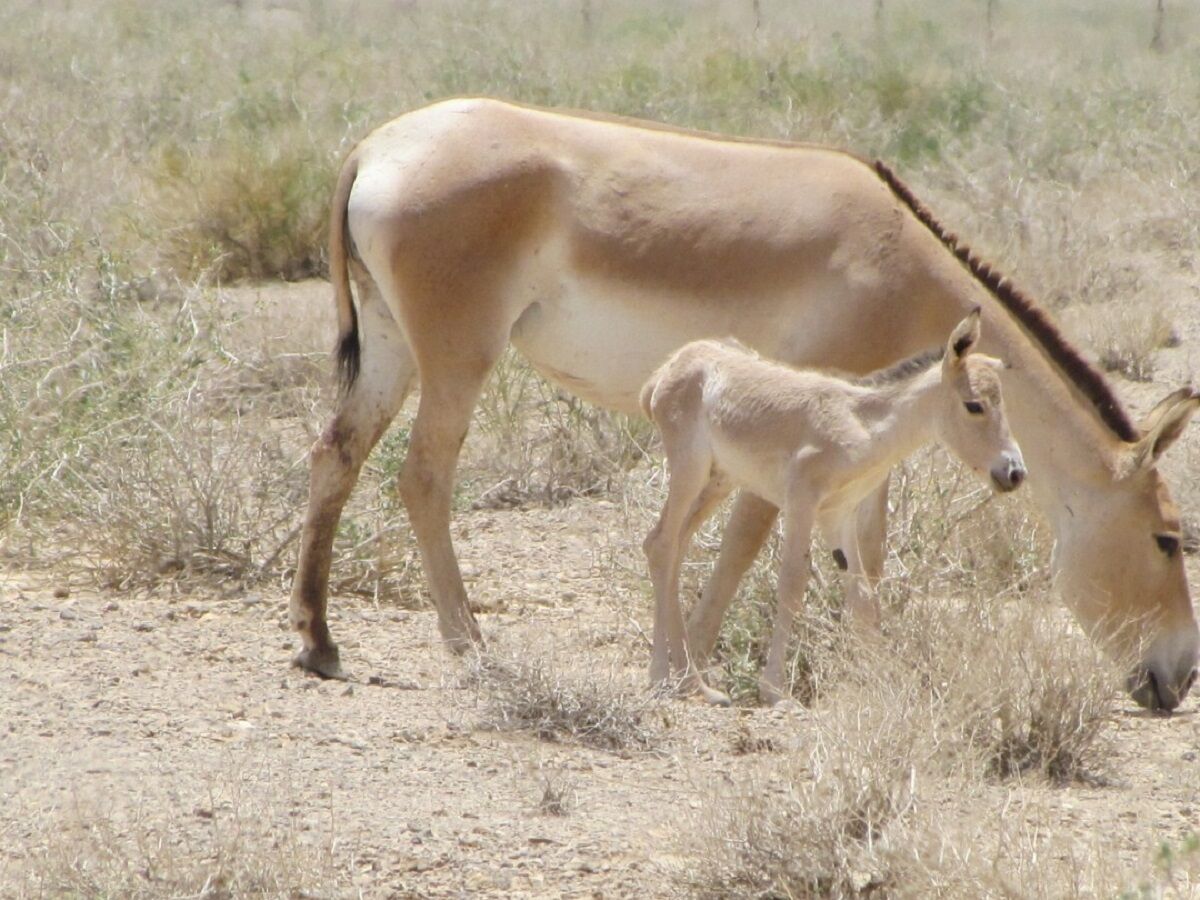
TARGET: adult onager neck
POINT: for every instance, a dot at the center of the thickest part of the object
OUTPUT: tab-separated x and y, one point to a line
597	247
813	445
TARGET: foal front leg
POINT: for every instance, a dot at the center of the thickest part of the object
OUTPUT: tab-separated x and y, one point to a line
793	581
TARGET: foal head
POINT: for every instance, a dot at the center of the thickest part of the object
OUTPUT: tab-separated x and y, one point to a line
970	419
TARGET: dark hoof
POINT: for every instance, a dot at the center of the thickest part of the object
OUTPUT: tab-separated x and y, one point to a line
322	661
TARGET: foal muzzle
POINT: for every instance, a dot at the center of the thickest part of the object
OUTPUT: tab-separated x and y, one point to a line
1009	474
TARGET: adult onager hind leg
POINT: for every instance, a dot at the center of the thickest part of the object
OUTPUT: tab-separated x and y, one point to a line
598	246
814	445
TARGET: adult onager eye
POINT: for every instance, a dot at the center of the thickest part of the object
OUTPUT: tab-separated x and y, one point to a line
974	407
1167	543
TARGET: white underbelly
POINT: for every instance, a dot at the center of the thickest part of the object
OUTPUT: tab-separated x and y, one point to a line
601	340
750	468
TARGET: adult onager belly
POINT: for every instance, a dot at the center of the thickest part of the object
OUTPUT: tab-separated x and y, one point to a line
599	246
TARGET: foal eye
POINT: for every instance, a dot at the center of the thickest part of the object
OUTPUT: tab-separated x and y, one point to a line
1167	543
974	407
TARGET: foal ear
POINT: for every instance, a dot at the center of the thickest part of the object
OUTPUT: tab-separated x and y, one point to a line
964	337
998	364
1166	424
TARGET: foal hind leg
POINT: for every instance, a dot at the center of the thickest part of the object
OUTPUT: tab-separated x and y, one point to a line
747	530
361	417
691	496
665	549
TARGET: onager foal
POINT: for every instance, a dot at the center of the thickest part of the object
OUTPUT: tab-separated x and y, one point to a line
814	445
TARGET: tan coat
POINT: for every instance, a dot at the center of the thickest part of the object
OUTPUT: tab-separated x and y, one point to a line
600	246
813	444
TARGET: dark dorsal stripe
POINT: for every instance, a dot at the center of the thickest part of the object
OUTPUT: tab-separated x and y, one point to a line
1032	317
902	370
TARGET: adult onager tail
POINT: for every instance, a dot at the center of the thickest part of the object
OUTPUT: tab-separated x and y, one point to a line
813	445
597	247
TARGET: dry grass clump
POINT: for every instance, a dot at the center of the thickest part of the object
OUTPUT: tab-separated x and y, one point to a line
532	695
246	209
557	792
1126	337
215	853
1012	688
956	699
187	495
818	825
132	452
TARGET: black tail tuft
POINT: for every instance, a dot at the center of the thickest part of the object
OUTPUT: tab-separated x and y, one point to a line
349	356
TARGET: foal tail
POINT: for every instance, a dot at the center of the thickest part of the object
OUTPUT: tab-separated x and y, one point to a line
647	394
646	397
349	350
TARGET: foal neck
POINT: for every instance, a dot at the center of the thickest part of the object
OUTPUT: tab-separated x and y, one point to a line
901	415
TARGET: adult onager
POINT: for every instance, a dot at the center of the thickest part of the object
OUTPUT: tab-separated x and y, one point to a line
597	247
813	445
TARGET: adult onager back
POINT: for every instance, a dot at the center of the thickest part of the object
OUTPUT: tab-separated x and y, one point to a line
814	445
597	247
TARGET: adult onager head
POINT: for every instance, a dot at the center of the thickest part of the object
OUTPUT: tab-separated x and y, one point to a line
597	247
813	445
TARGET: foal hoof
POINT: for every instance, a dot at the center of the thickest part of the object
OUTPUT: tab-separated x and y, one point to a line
771	696
461	635
323	661
713	696
462	645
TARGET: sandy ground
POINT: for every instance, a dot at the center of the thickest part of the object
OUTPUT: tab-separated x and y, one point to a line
176	715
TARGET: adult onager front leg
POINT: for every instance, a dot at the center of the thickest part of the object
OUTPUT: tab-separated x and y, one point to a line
815	445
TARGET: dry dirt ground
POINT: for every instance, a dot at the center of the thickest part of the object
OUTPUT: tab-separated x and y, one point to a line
171	722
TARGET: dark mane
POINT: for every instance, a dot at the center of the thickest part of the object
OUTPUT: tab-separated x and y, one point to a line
902	370
1031	317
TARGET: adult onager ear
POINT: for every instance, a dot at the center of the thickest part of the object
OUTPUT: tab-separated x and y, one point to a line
1164	425
1151	419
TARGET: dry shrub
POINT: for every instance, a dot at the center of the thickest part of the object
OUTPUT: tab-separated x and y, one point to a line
954	698
144	448
532	695
541	445
1010	688
949	533
819	825
557	792
1126	335
247	208
186	494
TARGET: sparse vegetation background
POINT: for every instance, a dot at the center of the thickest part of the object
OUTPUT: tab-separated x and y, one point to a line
164	176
